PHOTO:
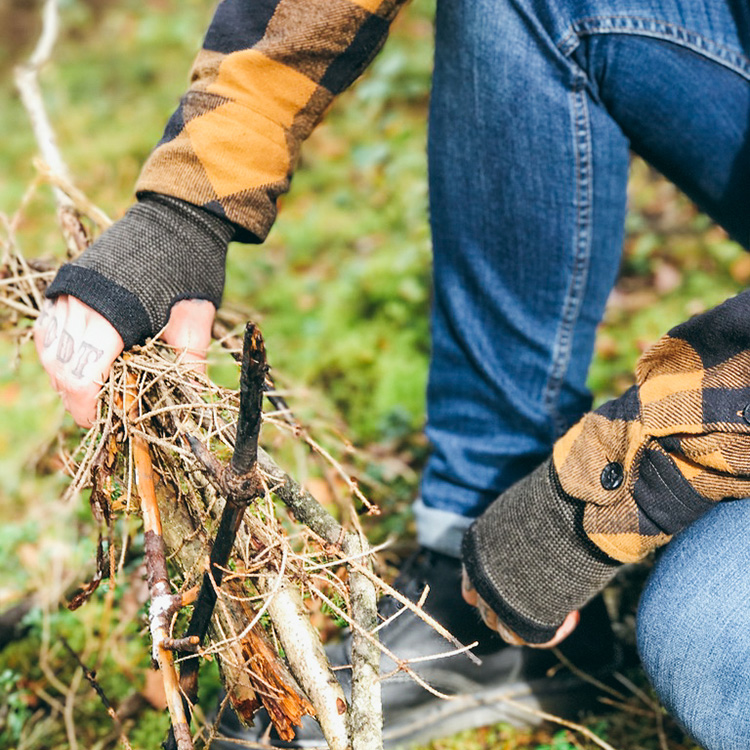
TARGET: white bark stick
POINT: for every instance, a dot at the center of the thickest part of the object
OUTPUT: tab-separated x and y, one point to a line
307	659
366	715
27	83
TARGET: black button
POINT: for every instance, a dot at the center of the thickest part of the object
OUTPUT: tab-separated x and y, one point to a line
746	413
612	476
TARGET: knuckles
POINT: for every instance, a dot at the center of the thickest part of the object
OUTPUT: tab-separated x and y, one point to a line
63	335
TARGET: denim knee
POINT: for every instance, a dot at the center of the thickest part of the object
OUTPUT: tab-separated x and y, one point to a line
533	108
694	628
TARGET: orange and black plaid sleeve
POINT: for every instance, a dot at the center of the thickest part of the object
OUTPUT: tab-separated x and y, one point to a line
649	463
266	73
623	480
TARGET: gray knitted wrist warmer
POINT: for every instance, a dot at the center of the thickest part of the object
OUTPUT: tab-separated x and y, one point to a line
163	250
529	558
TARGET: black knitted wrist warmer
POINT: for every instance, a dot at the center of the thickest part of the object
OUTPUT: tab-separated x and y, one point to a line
163	250
529	558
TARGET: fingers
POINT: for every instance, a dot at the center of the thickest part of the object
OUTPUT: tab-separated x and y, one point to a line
76	346
492	621
189	329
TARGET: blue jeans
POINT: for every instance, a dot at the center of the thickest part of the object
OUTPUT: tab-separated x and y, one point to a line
535	106
694	627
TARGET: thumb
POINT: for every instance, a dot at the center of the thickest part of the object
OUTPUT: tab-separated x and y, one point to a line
189	329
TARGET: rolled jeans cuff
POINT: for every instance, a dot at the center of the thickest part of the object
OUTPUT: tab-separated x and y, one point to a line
440	530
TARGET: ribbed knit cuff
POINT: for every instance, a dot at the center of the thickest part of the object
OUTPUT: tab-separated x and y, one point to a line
529	559
163	250
111	300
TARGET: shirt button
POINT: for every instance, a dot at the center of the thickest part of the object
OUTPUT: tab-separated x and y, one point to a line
612	475
746	413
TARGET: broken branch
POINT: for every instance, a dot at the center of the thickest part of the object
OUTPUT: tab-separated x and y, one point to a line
163	603
240	483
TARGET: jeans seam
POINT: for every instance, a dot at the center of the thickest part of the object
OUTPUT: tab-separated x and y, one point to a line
563	346
656	28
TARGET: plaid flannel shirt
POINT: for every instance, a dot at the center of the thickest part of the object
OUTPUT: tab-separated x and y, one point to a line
652	461
266	74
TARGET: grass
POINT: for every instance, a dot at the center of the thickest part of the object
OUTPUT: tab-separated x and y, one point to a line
341	290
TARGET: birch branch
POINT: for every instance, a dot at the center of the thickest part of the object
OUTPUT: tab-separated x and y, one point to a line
366	715
26	78
307	658
27	83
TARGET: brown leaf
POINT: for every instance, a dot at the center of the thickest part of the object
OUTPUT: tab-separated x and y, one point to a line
89	588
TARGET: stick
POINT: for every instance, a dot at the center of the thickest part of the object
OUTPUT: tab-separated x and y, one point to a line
307	658
163	603
27	82
366	718
240	483
562	722
91	678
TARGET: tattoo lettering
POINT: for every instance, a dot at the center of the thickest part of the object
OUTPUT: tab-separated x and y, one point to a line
51	335
44	312
87	356
65	348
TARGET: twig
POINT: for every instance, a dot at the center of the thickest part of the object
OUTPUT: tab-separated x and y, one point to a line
240	483
91	678
402	664
79	199
415	609
366	717
163	603
562	722
652	704
70	702
585	676
27	83
307	658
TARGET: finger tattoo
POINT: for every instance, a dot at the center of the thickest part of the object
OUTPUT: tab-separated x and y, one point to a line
51	334
65	348
88	355
44	312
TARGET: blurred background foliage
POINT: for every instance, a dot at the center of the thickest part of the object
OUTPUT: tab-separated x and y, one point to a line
341	290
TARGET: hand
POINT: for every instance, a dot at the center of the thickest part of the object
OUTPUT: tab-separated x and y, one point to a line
77	347
492	621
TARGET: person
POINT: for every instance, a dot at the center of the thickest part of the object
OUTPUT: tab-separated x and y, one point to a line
535	106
